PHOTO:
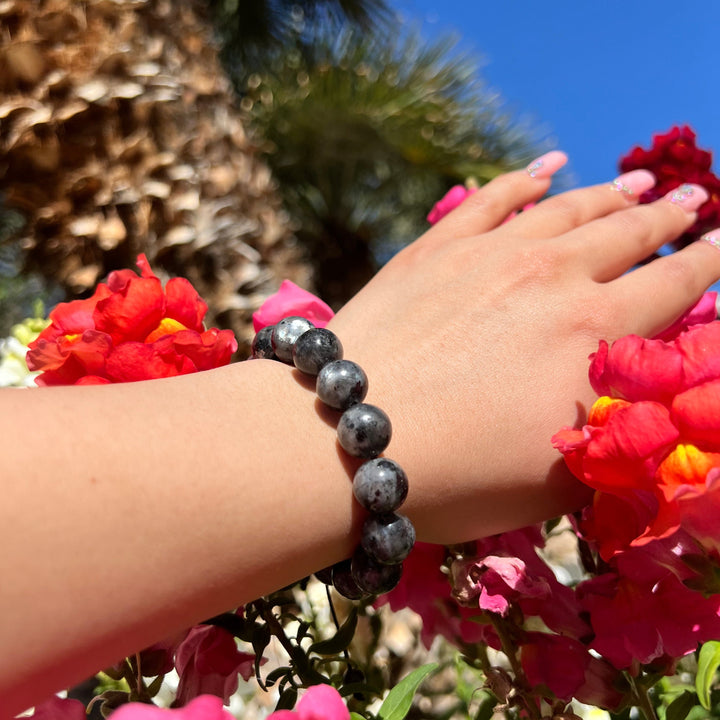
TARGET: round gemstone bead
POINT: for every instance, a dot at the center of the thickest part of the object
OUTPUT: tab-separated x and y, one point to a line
388	539
364	430
342	384
344	581
325	575
262	344
316	348
372	577
285	335
380	485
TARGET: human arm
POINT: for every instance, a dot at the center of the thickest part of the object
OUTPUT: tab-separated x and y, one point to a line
214	488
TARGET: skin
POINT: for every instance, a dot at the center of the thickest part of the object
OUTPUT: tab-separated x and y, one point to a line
137	510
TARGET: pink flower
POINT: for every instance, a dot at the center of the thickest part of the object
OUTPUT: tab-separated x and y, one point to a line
454	197
425	589
704	311
292	300
208	661
55	708
320	702
495	582
205	707
517	575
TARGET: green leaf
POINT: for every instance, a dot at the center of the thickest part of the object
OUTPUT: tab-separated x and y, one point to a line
679	708
356	716
708	663
340	641
398	701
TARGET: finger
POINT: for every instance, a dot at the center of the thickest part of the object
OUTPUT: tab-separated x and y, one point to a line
610	246
493	203
668	286
565	212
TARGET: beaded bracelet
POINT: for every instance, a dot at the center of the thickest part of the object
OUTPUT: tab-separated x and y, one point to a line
380	484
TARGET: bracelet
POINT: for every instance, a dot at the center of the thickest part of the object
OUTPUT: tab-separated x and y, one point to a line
380	484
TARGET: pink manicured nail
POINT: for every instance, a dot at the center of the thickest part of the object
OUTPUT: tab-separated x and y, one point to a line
634	183
712	238
688	197
546	165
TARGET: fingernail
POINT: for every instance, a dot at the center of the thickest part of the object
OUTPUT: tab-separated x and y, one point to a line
688	197
546	165
634	183
712	238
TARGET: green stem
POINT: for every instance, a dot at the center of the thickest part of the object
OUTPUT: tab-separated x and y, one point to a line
643	699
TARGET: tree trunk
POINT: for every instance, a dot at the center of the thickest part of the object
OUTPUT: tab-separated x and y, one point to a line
119	136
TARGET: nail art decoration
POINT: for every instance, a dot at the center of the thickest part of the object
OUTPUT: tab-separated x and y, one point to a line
546	165
688	196
682	193
533	167
633	183
713	240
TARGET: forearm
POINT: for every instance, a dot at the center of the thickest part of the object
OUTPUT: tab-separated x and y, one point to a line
130	513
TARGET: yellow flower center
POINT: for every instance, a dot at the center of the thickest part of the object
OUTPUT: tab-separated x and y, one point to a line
167	326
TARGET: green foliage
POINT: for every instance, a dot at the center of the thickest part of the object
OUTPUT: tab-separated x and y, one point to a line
708	663
250	29
398	701
19	293
364	134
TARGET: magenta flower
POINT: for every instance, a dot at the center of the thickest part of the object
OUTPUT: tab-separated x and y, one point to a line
55	708
496	582
205	707
208	661
292	300
454	197
634	622
566	667
320	702
424	588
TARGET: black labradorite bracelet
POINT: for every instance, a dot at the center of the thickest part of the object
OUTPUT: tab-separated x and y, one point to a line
380	484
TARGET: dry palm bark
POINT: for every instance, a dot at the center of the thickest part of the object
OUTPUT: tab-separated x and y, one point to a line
118	136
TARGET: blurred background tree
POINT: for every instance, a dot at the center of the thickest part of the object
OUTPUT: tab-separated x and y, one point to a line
364	133
313	151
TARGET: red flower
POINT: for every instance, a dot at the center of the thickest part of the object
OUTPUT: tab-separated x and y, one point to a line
208	661
674	159
652	440
130	329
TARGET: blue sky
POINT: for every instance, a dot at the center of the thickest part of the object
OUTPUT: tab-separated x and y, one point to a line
596	77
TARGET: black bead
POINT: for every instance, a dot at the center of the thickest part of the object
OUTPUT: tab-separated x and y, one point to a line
316	348
262	344
371	576
380	485
388	539
285	335
342	384
364	430
344	582
325	575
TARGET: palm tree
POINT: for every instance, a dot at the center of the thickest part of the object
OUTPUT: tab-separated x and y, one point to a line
119	135
251	29
364	134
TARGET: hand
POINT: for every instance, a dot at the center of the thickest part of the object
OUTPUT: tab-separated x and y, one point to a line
476	338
